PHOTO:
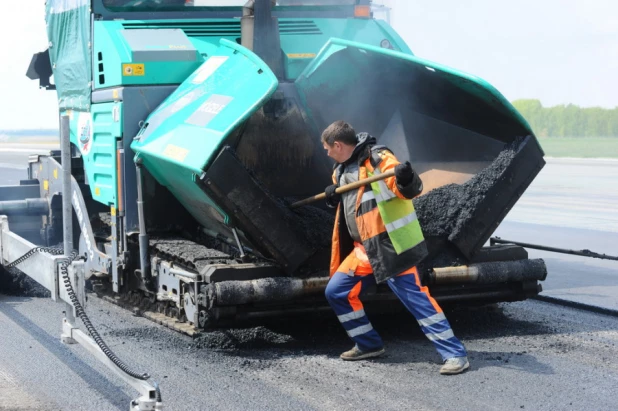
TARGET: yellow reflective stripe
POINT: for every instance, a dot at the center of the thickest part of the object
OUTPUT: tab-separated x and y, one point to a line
398	216
397	224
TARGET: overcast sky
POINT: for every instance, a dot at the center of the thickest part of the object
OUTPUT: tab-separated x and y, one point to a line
560	51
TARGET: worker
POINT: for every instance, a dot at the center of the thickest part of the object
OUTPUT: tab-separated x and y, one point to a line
377	237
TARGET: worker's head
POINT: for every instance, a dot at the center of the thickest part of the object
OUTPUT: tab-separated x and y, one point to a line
339	140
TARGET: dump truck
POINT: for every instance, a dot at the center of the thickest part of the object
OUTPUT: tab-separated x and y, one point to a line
188	128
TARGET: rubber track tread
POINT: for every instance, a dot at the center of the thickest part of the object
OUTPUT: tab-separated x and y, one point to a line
188	253
169	322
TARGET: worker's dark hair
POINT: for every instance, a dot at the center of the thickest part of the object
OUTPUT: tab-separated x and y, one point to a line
339	131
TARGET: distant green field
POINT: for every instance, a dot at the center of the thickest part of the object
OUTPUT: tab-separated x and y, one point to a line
582	147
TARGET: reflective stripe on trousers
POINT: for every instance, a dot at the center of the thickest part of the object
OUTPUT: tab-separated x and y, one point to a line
428	314
342	294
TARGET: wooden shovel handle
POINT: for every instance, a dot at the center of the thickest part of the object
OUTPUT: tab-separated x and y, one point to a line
345	188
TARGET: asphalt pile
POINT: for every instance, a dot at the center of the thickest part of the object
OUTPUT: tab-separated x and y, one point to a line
231	339
446	212
14	282
316	223
241	338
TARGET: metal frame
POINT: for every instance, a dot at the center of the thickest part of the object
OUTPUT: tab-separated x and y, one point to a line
43	268
142	100
97	261
67	208
26	226
147	400
172	279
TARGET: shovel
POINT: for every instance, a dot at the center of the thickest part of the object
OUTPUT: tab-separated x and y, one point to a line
345	188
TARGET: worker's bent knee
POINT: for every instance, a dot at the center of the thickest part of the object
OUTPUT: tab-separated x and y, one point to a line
335	292
330	292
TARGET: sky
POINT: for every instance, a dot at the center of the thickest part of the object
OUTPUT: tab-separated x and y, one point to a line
559	51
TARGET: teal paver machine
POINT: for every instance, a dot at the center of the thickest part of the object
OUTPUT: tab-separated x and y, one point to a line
190	126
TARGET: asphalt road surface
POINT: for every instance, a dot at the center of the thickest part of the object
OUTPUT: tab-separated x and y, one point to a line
572	204
14	159
527	355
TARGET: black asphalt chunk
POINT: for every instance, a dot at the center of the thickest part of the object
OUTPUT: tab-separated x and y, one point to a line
14	282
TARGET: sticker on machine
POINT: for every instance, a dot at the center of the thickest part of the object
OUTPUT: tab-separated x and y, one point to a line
301	55
174	152
133	70
209	110
84	132
210	66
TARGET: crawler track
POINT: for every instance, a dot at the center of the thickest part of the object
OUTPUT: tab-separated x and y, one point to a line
187	253
159	318
190	256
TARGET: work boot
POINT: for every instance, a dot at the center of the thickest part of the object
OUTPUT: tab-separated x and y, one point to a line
356	354
455	365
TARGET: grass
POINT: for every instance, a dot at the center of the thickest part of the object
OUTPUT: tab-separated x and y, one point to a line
581	147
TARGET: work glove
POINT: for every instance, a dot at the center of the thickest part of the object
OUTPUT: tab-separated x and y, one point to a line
332	198
404	173
408	182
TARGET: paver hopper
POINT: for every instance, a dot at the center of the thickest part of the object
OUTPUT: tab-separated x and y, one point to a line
230	143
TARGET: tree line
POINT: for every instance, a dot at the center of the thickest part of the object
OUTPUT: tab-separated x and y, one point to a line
568	120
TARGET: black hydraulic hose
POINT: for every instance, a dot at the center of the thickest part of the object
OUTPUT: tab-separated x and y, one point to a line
52	251
64	271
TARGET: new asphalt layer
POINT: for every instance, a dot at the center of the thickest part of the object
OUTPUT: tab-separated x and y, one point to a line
528	355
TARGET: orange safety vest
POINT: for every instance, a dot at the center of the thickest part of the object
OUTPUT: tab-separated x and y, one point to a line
380	251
